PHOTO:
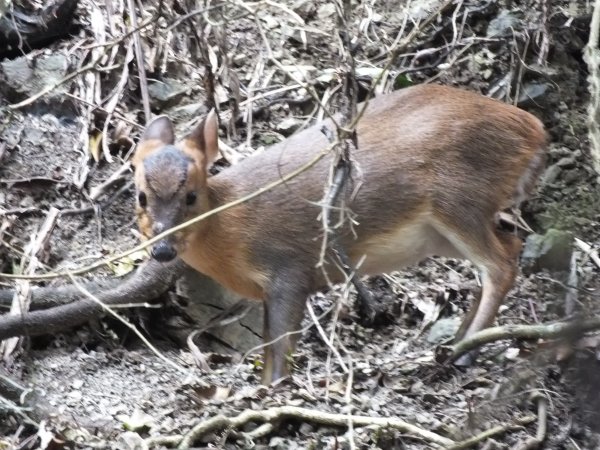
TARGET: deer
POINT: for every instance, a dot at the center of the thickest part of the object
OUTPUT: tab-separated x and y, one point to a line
437	166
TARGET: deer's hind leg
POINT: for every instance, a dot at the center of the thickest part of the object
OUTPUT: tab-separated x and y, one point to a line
495	253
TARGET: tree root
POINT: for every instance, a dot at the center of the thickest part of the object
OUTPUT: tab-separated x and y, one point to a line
148	282
278	413
542	425
273	415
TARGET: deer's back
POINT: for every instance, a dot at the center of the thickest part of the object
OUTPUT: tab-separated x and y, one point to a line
421	151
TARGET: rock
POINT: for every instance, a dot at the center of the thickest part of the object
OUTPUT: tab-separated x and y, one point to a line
166	92
288	126
306	429
531	94
502	24
25	78
551	251
422	9
279	443
305	9
551	174
568	162
443	329
131	441
557	151
208	299
325	11
186	113
572	177
21	78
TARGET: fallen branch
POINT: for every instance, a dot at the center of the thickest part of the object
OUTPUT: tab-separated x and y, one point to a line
494	431
541	331
35	251
279	413
51	296
149	281
588	250
106	308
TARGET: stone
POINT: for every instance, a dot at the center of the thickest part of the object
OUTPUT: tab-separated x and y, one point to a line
25	78
502	24
166	92
443	329
288	126
551	251
208	299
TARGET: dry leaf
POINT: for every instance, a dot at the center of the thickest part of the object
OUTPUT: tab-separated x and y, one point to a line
213	392
137	421
94	147
125	265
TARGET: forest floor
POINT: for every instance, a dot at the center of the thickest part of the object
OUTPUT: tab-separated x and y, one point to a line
107	389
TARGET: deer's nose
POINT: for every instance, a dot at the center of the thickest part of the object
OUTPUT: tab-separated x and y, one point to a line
163	252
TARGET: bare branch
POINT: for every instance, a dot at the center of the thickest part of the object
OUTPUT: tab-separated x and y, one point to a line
542	331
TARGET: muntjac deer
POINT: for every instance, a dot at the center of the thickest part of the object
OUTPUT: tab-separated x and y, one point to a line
437	165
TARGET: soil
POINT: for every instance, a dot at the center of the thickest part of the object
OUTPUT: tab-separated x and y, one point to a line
101	381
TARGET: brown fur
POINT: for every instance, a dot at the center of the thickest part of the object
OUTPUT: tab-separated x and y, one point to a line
144	149
434	165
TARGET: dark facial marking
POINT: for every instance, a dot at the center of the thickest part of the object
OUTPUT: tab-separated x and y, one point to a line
143	201
166	171
190	198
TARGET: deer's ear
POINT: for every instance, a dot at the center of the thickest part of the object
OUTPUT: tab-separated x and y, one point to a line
158	132
205	137
160	129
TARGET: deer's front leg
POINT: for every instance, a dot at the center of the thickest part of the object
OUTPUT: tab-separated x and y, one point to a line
283	313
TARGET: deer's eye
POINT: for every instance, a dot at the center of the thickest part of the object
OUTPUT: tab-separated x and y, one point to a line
143	201
190	198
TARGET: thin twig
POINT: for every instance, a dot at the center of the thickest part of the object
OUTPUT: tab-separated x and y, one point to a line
97	191
191	14
348	398
22	297
129	325
158	237
500	429
53	86
321	331
139	56
588	250
112	103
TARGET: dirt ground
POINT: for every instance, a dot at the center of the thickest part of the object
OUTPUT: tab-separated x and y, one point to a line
107	389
